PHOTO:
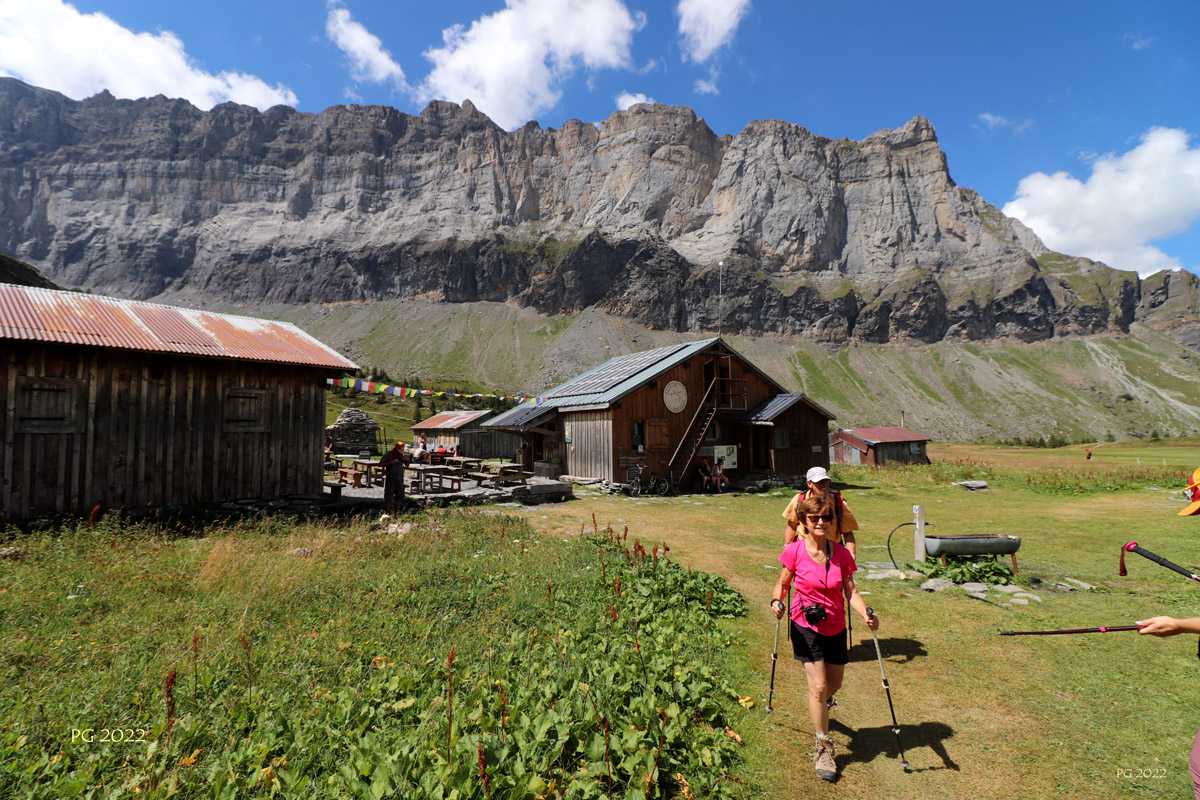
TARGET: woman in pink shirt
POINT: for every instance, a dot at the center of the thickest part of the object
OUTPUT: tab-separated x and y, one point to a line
822	573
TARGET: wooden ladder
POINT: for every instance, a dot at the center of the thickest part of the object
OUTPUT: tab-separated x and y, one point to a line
689	445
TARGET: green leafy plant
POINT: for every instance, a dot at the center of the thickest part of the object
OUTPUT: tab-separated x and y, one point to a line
961	569
445	664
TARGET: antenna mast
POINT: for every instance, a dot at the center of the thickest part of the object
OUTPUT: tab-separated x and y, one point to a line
720	296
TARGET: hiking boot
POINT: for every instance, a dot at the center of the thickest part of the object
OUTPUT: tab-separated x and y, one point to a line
824	763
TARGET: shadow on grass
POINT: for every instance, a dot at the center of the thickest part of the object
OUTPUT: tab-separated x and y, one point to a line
868	744
897	651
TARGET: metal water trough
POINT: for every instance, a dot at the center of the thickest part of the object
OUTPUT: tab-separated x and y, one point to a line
979	544
982	544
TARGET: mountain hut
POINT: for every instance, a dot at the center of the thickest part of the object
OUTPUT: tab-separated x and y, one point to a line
122	404
662	410
465	429
879	445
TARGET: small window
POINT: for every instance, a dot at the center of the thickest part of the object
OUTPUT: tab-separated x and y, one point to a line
246	410
637	436
782	441
711	435
49	405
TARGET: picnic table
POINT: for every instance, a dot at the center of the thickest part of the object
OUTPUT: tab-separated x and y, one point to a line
434	477
366	465
462	464
498	473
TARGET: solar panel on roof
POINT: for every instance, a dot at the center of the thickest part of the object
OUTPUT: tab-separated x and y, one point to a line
609	375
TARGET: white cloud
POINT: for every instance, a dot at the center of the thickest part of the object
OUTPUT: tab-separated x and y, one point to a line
627	99
706	87
995	122
1137	41
510	64
1150	193
369	61
708	25
51	44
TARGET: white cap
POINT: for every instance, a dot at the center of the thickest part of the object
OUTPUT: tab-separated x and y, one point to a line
817	474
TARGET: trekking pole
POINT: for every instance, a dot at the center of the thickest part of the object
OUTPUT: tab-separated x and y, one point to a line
849	627
1101	629
887	688
1132	547
774	660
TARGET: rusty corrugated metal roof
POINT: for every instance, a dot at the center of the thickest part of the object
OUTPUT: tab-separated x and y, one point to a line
885	433
46	315
450	420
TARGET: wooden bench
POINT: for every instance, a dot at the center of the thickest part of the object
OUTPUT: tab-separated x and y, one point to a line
352	476
335	490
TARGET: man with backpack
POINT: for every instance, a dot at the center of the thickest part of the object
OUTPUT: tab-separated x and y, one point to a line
842	532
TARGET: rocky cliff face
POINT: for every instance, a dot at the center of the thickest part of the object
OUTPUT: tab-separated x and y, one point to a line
834	239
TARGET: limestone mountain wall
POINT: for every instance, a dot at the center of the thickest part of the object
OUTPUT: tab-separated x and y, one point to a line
835	240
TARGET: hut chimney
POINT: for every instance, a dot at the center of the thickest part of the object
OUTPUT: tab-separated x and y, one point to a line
901	419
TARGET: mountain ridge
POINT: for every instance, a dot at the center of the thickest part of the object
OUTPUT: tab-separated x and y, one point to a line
833	240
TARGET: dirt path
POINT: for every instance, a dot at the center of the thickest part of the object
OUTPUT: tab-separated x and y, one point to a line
952	754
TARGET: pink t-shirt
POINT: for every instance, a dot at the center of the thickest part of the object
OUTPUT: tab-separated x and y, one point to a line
811	586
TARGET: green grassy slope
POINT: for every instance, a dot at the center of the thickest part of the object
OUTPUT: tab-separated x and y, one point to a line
1125	385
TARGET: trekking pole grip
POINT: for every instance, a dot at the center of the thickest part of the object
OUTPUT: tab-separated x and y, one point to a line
1133	547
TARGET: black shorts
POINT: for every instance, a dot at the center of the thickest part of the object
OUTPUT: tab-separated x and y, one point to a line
808	645
393	489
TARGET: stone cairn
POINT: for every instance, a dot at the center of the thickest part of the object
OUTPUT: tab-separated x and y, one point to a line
353	432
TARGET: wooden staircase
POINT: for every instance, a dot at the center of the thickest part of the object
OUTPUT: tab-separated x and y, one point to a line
689	445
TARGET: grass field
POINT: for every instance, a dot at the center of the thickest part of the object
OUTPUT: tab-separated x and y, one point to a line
341	686
981	715
463	655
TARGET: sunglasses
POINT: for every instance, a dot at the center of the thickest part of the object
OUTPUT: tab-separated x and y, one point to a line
815	517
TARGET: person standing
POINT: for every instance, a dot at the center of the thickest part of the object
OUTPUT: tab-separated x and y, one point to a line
393	463
821	573
1170	626
844	525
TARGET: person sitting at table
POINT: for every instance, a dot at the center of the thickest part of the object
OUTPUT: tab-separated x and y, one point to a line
418	452
441	448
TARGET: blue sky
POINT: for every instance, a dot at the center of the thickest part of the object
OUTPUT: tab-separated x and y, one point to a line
1082	119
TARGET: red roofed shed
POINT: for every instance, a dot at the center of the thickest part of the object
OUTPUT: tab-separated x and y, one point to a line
464	428
879	445
125	404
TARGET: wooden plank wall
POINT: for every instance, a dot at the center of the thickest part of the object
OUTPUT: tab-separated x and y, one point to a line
806	429
476	442
151	430
589	455
647	404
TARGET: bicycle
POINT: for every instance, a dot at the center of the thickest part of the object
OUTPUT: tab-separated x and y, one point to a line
653	484
634	487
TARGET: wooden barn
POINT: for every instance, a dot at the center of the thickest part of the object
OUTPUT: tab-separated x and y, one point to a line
662	410
883	444
465	429
122	404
